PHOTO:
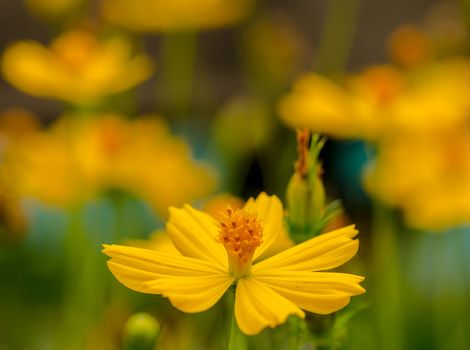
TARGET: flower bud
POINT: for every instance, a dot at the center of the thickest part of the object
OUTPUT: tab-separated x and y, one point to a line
305	192
141	332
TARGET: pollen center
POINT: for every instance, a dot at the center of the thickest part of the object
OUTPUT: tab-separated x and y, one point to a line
241	233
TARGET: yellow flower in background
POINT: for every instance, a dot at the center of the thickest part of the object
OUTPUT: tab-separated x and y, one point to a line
40	166
382	100
29	157
76	68
428	177
214	255
175	15
140	156
325	106
435	99
90	155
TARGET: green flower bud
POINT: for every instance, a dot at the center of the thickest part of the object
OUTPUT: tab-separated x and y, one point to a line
306	202
141	332
297	200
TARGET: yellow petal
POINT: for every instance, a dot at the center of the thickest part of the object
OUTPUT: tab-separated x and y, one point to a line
29	66
194	234
257	306
134	267
281	243
318	292
270	213
161	242
192	294
323	252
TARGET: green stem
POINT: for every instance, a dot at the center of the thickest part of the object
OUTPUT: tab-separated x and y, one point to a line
387	279
337	36
294	339
441	311
179	62
75	243
85	285
450	300
237	340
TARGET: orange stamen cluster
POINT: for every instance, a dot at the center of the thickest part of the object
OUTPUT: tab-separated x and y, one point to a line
240	233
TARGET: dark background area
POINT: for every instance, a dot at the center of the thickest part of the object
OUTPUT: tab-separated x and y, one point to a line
376	20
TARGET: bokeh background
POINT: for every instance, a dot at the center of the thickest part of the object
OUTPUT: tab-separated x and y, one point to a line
190	113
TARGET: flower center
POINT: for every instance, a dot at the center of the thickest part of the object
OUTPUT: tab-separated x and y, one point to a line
75	50
240	233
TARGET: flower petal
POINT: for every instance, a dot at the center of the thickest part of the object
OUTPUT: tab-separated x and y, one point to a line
270	212
192	294
134	267
194	234
258	306
281	243
323	252
318	292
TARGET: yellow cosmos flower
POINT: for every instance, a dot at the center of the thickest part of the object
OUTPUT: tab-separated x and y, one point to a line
91	155
215	207
141	156
324	106
214	255
29	163
161	15
382	100
426	176
76	68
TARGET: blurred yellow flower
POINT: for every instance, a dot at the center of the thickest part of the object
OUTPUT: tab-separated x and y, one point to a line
175	15
214	255
324	106
101	152
41	166
382	100
140	156
428	177
76	68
